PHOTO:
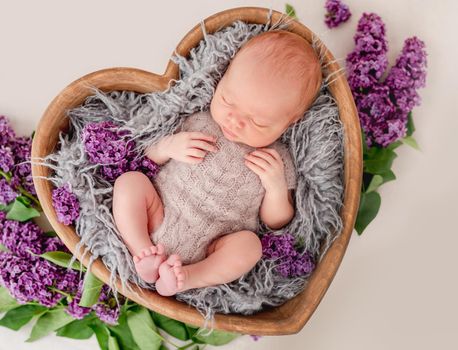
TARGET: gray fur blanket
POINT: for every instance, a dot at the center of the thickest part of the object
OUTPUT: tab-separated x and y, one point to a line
315	143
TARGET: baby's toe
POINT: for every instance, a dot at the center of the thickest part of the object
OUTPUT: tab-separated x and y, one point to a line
153	250
174	258
136	259
180	276
147	252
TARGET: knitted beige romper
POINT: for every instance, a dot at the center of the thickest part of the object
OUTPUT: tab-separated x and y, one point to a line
218	196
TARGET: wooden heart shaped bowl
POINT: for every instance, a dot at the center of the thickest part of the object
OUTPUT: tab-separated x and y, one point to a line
288	318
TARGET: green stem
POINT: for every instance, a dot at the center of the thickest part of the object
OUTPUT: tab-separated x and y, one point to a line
187	345
5	175
61	292
23	191
30	196
167	341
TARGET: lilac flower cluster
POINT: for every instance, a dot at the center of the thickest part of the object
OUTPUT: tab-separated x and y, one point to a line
66	204
15	168
384	106
337	13
105	145
290	262
30	278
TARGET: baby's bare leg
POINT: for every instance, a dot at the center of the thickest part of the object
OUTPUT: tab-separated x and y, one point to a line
229	257
138	210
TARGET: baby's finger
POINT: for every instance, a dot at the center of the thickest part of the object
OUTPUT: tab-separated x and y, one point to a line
197	135
261	163
196	152
255	168
193	160
268	153
203	145
260	158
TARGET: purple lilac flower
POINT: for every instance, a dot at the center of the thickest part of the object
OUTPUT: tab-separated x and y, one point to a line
408	74
107	310
6	159
384	106
290	261
22	148
29	279
367	62
6	131
104	144
7	193
73	309
21	238
337	13
66	204
52	244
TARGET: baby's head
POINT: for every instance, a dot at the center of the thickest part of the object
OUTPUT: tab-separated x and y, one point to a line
270	83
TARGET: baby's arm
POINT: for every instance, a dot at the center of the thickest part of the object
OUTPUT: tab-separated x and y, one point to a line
189	147
157	152
277	208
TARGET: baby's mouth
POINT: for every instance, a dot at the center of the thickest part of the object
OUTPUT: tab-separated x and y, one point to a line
227	132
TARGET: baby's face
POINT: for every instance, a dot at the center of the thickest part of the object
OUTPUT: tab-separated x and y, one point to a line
251	107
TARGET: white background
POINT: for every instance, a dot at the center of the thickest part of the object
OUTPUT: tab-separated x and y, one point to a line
397	286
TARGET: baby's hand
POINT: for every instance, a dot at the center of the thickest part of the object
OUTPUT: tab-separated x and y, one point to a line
268	165
189	146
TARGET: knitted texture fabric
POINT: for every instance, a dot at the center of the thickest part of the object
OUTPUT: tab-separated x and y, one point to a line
315	143
217	196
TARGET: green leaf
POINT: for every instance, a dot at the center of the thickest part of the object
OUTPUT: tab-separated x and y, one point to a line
48	322
91	290
410	125
62	259
78	329
101	332
6	208
143	330
388	176
409	140
113	343
3	248
20	212
216	337
376	181
191	330
24	200
7	302
379	160
171	326
368	208
50	234
19	316
123	334
392	146
290	11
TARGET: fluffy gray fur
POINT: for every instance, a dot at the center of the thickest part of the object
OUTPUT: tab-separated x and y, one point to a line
315	143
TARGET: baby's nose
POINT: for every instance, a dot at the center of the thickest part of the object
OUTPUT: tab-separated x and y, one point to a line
236	121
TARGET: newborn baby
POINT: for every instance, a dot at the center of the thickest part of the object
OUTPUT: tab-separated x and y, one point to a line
222	171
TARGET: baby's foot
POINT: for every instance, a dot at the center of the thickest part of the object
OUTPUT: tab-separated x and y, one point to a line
171	276
148	261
